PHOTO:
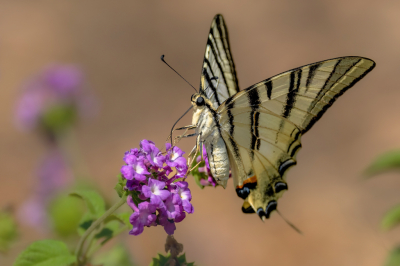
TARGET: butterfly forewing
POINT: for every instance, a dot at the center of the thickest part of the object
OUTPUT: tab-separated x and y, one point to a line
218	63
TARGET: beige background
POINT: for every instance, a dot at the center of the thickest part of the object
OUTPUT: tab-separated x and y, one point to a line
119	44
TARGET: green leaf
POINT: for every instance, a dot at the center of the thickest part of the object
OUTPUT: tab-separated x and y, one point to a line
45	253
394	258
94	202
8	231
162	260
118	255
120	190
182	258
85	223
66	213
119	187
391	218
384	162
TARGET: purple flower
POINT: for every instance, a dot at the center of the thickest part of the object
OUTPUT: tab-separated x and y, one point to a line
53	175
169	225
66	80
148	177
153	154
58	87
174	157
210	181
135	169
184	192
143	216
172	206
156	192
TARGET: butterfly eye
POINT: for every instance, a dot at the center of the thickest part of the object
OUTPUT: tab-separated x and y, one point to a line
200	101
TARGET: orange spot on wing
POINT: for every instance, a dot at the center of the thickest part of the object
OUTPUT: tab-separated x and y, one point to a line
252	179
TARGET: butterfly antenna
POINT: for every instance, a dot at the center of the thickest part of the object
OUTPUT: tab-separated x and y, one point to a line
162	59
289	223
172	129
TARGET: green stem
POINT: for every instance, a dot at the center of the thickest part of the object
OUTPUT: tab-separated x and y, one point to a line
96	247
94	226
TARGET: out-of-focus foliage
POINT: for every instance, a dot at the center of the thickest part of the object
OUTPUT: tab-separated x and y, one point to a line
394	258
45	253
8	231
65	213
95	208
162	260
385	162
118	255
391	218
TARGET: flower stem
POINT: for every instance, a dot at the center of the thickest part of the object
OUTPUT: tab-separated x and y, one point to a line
94	225
98	246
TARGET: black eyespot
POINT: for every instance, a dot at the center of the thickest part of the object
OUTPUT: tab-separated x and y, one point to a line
200	101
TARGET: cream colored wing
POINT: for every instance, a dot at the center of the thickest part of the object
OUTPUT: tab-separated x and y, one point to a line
218	62
262	125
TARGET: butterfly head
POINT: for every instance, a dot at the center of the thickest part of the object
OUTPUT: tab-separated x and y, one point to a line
200	105
199	101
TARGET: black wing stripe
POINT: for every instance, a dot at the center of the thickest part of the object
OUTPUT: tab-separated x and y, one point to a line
291	96
322	91
211	85
216	55
254	102
311	74
225	38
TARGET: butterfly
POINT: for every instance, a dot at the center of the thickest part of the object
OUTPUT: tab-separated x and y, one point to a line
254	134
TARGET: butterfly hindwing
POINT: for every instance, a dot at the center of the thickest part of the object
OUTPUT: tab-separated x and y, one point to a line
262	125
218	62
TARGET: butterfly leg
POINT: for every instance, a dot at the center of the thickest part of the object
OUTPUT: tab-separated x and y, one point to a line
187	127
186	136
195	150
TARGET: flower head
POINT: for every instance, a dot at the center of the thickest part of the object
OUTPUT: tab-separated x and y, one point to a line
53	99
159	198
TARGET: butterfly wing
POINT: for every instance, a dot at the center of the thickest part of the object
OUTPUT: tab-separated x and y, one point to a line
262	125
218	62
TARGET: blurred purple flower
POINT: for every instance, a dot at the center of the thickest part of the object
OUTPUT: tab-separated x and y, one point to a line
56	86
160	199
53	176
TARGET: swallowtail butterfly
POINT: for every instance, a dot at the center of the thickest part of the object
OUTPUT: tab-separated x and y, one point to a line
255	133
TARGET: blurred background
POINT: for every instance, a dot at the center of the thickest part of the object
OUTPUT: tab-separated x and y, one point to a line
118	44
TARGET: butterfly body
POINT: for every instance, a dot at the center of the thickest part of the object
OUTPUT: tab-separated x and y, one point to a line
255	133
208	129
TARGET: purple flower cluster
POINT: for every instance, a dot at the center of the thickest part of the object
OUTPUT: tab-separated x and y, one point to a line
154	179
55	86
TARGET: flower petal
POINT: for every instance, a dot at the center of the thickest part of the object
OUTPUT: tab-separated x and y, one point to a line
127	172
